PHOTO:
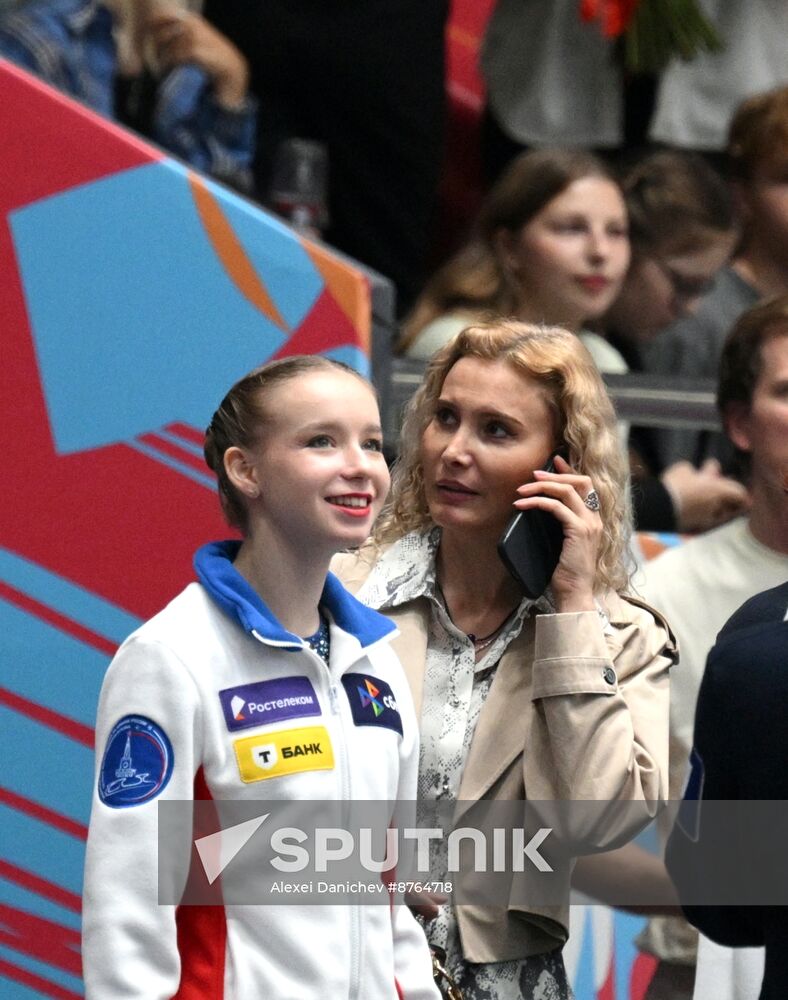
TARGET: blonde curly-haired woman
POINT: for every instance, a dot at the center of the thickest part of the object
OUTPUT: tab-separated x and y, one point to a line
562	697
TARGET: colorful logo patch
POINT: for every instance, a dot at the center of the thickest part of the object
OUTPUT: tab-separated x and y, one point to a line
137	762
372	702
287	751
268	701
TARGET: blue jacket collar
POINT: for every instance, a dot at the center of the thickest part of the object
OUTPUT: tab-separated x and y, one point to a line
238	599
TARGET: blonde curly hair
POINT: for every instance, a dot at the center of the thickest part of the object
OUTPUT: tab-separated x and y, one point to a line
585	426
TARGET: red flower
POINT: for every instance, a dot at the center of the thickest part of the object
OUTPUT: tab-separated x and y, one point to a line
615	15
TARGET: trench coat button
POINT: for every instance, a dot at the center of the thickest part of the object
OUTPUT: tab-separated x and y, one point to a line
610	675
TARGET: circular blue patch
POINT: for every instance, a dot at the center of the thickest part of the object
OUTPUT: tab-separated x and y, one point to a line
137	762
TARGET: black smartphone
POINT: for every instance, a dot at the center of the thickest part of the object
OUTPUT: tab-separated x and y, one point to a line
531	546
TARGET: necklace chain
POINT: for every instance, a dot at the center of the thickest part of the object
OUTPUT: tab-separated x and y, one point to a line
482	642
478	642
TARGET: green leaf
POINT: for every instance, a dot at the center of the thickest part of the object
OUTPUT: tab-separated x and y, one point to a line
664	29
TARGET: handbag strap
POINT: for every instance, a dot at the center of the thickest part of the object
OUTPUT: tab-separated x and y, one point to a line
443	980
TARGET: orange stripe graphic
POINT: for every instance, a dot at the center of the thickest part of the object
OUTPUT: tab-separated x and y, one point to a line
231	253
349	289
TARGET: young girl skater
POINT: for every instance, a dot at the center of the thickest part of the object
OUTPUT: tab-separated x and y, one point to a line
266	654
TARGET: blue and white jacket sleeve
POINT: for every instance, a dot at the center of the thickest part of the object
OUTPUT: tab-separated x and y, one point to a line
148	748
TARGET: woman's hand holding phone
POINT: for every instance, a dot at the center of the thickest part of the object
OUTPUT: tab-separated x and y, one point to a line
563	493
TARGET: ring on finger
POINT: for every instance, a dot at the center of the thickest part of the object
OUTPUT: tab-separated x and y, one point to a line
592	500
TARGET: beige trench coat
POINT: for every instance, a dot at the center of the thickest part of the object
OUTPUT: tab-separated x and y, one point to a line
575	712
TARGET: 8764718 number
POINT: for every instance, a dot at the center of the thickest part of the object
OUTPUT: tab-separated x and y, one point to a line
408	887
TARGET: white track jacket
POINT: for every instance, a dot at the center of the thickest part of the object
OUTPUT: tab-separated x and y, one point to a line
185	704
